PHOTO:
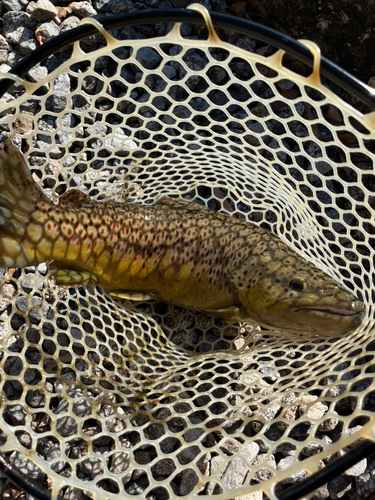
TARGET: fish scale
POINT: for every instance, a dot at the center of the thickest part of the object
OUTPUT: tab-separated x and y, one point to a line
175	251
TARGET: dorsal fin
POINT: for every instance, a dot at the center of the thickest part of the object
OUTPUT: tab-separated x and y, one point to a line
74	198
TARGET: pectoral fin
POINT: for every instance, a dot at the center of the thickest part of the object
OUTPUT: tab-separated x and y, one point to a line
66	276
230	314
121	294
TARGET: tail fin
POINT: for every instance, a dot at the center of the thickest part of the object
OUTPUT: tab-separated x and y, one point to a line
19	195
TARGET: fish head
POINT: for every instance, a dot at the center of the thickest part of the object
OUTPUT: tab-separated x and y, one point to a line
287	293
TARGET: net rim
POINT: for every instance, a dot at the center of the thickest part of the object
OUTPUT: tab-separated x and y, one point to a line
283	42
249	28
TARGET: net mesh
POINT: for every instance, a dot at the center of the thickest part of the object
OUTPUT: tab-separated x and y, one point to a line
103	397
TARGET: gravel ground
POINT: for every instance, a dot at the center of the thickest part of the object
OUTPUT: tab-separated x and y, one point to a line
26	25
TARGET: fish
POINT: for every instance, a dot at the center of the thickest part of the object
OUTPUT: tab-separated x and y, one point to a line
175	250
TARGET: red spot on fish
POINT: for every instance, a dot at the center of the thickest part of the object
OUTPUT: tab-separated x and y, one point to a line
172	258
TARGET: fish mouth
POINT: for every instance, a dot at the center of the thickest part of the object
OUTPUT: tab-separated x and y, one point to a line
329	310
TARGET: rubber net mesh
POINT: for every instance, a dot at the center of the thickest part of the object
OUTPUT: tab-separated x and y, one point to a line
103	398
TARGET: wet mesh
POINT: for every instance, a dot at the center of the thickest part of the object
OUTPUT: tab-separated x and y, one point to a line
103	398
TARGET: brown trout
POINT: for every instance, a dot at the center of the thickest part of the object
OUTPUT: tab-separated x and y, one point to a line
176	251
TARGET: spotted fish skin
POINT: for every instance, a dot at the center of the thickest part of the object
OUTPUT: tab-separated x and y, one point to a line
174	250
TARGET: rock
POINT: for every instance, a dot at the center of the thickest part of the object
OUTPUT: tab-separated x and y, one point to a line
357	469
37	73
69	23
249	452
148	57
311	449
4	45
3	56
285	463
62	83
19	35
14	56
189	479
15	415
17	20
255	495
27	47
4	68
328	425
122	6
46	31
14	5
317	410
234	474
230	446
62	13
42	10
83	9
338	486
321	493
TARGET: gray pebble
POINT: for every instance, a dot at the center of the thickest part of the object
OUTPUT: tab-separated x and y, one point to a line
169	72
69	23
81	408
63	136
122	6
250	451
338	486
42	10
62	83
89	468
328	425
189	479
3	56
246	43
14	20
15	4
38	73
311	449
234	474
357	469
83	9
285	463
47	31
66	426
119	462
128	33
148	57
4	45
21	34
16	415
27	47
22	303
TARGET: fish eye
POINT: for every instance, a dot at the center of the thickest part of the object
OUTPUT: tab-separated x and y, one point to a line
296	285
